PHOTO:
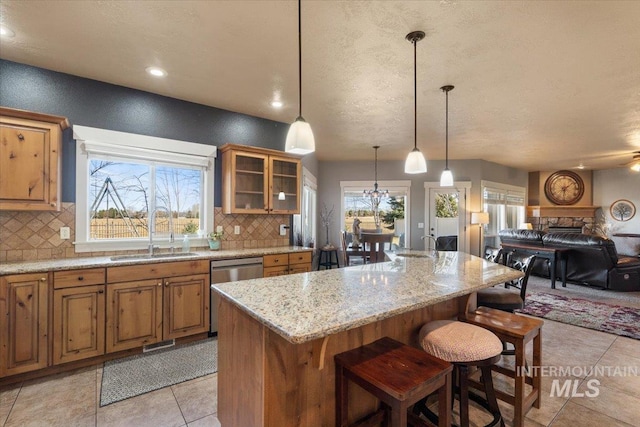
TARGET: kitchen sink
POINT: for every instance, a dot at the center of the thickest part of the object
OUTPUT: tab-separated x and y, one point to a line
154	256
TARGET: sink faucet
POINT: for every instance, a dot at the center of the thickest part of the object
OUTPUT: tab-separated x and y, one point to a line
430	237
152	227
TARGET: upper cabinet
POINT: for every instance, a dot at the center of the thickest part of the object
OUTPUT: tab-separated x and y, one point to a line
30	145
259	181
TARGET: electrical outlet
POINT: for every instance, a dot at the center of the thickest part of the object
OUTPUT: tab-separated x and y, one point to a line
65	233
219	228
236	229
283	229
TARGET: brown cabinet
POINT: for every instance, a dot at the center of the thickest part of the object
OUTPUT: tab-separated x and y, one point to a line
281	264
168	300
78	314
30	156
23	323
259	181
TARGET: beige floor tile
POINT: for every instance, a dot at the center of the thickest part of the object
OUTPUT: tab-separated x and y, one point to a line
573	415
620	372
155	409
63	399
617	404
197	398
208	421
626	345
8	396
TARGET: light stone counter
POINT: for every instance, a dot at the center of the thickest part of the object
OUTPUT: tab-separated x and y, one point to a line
304	307
91	262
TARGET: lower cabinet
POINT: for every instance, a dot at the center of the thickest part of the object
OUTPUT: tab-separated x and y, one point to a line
172	304
281	264
23	323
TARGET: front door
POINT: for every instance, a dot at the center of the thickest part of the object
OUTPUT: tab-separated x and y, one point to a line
446	223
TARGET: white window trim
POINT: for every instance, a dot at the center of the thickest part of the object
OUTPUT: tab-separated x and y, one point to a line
399	185
107	142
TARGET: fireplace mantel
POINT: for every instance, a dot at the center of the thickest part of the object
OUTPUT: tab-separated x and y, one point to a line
561	211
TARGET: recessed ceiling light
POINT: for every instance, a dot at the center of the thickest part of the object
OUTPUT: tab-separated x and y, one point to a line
580	166
6	32
157	72
276	104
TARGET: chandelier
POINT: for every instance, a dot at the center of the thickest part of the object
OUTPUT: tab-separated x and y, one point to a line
375	194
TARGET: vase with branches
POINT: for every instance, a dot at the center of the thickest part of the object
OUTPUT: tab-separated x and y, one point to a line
326	216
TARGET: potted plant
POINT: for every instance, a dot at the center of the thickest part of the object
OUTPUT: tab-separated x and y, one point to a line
214	239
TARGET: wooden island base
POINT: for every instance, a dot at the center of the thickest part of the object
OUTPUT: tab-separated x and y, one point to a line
265	380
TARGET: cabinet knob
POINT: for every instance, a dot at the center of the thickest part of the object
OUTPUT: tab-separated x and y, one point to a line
166	283
159	283
43	279
21	137
101	292
80	278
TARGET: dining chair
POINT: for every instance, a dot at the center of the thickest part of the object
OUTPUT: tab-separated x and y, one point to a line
374	246
493	254
512	296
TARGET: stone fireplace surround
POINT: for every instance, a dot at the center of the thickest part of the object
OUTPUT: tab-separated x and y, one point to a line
543	217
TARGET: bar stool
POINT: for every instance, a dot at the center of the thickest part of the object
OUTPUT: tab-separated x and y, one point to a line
328	258
519	331
398	375
465	345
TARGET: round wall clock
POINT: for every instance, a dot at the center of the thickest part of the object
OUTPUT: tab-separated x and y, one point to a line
564	188
622	210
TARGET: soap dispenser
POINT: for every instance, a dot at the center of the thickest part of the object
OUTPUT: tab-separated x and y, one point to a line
186	244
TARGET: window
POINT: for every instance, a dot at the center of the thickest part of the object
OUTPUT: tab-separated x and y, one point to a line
393	211
304	225
121	178
506	207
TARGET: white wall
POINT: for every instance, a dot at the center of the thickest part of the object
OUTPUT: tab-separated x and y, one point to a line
610	185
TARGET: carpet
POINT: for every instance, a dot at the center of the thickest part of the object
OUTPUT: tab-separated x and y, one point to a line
142	373
614	319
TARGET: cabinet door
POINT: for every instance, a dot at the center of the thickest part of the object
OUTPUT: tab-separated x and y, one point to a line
134	314
284	181
23	323
186	306
30	160
245	182
299	268
78	323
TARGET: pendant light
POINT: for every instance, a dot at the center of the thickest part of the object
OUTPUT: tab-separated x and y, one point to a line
300	137
375	194
415	162
446	180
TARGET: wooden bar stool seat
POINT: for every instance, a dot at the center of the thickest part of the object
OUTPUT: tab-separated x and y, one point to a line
398	375
519	331
464	345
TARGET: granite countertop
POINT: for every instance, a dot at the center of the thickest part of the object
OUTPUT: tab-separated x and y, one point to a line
91	262
307	306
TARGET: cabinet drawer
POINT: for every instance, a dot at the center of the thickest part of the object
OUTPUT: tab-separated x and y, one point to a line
300	258
276	260
157	271
73	278
276	271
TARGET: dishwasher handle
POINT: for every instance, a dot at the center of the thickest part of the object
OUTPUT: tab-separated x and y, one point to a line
235	262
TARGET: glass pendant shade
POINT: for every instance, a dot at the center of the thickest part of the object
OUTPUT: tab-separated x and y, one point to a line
281	196
300	138
415	162
446	179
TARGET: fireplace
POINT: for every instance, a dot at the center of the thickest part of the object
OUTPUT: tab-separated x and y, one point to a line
572	230
563	219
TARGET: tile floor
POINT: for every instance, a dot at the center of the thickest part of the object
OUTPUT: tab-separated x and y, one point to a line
72	399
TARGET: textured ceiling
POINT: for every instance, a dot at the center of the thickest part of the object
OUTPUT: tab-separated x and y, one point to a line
539	85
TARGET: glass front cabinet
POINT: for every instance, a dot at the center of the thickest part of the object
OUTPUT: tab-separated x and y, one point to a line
259	181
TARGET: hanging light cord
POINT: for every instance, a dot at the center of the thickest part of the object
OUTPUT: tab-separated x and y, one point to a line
446	146
415	95
299	59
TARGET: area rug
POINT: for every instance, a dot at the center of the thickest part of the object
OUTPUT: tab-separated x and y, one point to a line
142	373
614	319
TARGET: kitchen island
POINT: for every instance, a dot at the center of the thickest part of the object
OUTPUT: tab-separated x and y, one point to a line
277	336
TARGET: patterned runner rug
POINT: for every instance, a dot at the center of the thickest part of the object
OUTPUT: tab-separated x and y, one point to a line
142	373
614	319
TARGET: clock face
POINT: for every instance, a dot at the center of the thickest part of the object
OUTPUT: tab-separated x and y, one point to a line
564	188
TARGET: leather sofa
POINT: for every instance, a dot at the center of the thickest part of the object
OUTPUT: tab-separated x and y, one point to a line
591	260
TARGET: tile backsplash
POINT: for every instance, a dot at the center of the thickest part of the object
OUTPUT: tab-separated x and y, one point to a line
32	235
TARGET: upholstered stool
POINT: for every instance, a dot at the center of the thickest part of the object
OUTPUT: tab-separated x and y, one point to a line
396	374
517	330
465	345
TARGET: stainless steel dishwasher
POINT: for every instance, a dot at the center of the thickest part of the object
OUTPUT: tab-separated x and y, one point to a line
230	270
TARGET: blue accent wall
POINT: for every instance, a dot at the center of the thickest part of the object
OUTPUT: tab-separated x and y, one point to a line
102	105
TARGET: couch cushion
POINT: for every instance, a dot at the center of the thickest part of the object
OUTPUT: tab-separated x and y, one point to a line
525	237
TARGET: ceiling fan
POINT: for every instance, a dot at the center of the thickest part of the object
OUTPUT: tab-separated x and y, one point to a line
634	164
